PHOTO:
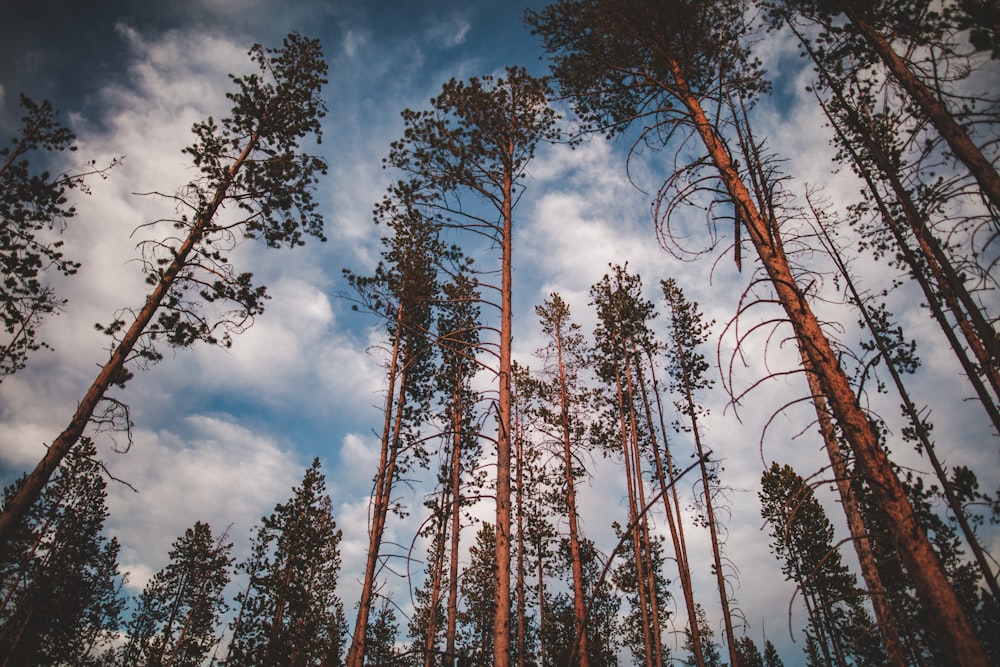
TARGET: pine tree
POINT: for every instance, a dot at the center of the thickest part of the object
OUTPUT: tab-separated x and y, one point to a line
771	657
603	605
61	591
175	622
802	538
380	645
562	400
623	342
687	368
249	161
748	653
685	70
478	139
32	201
477	588
402	292
291	614
712	656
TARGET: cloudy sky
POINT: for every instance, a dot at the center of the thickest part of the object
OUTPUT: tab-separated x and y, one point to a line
222	435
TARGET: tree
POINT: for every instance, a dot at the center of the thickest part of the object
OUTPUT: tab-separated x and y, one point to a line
802	538
622	340
33	202
771	657
562	399
290	614
402	292
478	139
477	589
712	656
175	622
380	645
872	35
748	654
665	66
251	161
687	369
61	591
601	618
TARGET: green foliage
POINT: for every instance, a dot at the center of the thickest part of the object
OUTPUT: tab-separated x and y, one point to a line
59	582
603	606
291	614
33	203
709	648
615	58
380	644
802	537
625	578
251	160
749	654
176	618
477	586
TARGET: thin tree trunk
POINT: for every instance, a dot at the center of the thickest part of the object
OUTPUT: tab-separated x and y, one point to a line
384	477
956	137
628	435
916	552
720	576
919	429
579	599
674	517
501	621
456	524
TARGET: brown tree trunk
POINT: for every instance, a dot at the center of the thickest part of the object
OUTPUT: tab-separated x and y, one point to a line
953	133
383	494
579	599
859	533
720	576
456	524
918	556
674	522
501	621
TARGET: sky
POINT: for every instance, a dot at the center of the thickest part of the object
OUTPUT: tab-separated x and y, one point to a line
223	435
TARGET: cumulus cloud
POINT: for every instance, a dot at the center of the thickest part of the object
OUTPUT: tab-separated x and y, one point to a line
209	468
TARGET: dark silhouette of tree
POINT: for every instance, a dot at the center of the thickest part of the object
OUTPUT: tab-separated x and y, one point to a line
34	202
475	620
291	614
250	161
60	591
175	622
802	538
602	612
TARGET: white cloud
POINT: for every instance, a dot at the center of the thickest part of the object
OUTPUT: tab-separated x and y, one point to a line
210	469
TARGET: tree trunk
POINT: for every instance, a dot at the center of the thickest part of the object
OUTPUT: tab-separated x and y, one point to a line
579	599
859	533
384	478
917	554
953	133
501	621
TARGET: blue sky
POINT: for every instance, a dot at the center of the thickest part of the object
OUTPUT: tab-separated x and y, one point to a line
223	435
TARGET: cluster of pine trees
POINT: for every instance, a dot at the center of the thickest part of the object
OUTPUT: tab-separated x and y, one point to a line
63	592
894	80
